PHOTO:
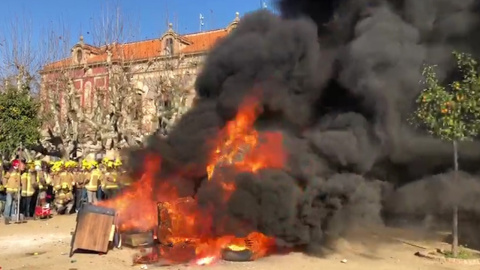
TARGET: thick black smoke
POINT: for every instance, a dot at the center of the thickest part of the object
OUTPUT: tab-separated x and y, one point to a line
339	80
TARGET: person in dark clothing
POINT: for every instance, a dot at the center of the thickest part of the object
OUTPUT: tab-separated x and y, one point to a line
3	198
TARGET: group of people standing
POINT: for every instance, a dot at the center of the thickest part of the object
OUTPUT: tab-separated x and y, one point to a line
28	187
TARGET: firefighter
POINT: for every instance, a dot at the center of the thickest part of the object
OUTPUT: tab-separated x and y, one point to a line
100	193
64	201
55	175
109	185
122	178
92	178
50	175
29	183
80	192
12	186
43	181
103	170
65	176
63	196
3	192
2	171
3	198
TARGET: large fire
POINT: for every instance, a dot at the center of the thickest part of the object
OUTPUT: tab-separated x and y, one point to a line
238	145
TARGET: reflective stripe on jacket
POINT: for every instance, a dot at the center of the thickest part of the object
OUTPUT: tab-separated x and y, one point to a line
27	184
13	182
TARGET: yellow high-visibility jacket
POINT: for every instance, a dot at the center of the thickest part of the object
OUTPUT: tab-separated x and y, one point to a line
43	180
93	179
110	180
12	183
28	184
66	180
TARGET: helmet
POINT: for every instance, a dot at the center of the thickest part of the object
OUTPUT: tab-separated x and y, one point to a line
117	163
16	163
85	164
70	164
57	166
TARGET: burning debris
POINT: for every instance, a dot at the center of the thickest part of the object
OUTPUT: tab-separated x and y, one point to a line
299	130
189	229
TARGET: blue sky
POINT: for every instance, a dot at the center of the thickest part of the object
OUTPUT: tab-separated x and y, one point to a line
149	17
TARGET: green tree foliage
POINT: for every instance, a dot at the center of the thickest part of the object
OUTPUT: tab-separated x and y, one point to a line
451	112
19	121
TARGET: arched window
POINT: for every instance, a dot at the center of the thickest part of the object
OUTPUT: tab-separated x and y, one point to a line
87	96
169	46
79	56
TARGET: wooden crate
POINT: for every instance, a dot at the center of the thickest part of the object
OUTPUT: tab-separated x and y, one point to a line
173	219
94	230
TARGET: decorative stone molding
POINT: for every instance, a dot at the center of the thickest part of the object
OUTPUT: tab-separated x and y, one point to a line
234	23
78	55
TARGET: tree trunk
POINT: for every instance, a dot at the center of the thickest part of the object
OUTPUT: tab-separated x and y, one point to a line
455	207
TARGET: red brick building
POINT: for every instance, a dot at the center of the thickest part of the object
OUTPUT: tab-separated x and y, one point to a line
89	68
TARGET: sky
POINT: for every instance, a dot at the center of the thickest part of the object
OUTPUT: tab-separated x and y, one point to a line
149	18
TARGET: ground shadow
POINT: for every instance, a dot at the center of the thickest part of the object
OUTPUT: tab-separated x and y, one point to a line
468	233
364	242
467	237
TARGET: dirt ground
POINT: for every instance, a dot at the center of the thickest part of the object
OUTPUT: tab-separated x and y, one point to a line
42	245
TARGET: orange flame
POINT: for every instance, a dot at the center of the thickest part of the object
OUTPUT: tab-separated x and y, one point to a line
136	207
183	222
240	144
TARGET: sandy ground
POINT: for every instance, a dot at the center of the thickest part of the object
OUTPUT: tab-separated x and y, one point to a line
42	245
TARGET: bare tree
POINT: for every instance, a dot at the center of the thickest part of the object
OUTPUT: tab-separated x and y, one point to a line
117	122
18	60
22	59
171	91
77	128
113	116
61	102
112	27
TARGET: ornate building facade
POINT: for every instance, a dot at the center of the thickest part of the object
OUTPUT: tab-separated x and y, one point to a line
149	67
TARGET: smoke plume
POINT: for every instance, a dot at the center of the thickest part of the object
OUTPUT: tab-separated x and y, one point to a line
338	79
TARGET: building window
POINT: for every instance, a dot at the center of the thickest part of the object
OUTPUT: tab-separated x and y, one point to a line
169	46
87	96
79	56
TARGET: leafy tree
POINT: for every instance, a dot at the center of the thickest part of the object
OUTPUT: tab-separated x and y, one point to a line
452	112
19	121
